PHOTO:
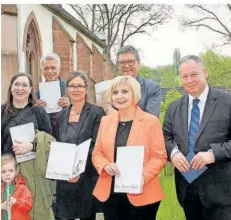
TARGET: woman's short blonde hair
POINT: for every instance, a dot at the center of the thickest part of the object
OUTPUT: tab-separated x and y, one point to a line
131	82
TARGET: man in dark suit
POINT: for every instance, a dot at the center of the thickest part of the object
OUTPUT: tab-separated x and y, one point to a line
128	62
200	123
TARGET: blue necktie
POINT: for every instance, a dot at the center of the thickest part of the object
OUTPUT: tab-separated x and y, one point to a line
194	124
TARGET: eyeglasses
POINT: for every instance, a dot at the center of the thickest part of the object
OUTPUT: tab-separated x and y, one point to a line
123	63
73	87
47	68
23	85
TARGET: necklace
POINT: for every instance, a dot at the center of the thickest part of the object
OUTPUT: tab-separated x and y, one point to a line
75	113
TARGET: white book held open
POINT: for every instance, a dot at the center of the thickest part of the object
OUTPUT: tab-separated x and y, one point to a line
67	160
26	133
129	160
100	87
50	92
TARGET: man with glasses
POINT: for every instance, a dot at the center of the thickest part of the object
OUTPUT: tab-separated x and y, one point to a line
128	62
50	66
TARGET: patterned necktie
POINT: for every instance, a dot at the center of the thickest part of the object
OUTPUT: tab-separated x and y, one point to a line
194	124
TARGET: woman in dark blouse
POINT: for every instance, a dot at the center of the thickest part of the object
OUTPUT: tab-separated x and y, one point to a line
19	110
76	124
129	126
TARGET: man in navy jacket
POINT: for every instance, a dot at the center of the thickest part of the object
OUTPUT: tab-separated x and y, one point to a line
128	62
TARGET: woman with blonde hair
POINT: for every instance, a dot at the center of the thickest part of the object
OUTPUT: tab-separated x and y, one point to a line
105	103
129	126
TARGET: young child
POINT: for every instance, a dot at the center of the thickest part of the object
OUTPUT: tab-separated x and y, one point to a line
20	201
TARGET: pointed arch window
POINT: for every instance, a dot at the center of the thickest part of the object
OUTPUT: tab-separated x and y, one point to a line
32	49
30	63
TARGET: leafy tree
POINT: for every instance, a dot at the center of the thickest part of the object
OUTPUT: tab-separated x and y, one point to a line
149	73
176	60
164	75
219	68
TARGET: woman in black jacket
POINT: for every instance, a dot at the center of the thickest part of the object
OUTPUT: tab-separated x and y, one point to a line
76	124
19	110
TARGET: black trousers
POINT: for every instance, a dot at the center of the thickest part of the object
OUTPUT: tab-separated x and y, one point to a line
195	210
118	207
89	218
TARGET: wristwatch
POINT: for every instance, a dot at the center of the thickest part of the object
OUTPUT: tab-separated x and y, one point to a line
34	146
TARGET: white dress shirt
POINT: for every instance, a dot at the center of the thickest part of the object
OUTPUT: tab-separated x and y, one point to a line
203	98
201	104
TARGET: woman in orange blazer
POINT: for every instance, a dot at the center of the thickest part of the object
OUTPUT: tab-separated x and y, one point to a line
129	126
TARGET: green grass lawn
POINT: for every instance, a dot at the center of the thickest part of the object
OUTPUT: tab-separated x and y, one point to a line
169	208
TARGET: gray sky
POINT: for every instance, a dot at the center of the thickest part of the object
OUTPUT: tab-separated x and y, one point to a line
158	49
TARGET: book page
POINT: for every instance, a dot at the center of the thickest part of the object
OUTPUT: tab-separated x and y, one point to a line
50	93
192	174
100	87
130	163
26	133
81	158
61	160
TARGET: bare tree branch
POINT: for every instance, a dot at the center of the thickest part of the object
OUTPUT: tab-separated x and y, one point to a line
206	10
121	21
79	12
125	26
118	25
229	7
207	26
209	18
138	30
102	18
93	18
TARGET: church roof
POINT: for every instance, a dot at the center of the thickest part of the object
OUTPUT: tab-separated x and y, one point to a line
68	18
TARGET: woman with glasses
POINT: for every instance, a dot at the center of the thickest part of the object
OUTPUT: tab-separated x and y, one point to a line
76	124
19	110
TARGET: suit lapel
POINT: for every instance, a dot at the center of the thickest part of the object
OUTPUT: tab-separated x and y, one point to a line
65	119
141	82
83	115
184	118
209	108
136	127
112	129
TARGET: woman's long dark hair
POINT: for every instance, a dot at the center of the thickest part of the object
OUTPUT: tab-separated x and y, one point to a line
9	100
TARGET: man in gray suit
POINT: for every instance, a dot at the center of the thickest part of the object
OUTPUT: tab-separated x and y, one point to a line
208	137
128	62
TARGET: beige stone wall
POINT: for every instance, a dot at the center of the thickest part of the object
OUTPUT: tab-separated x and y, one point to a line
63	46
9	54
9	33
9	66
